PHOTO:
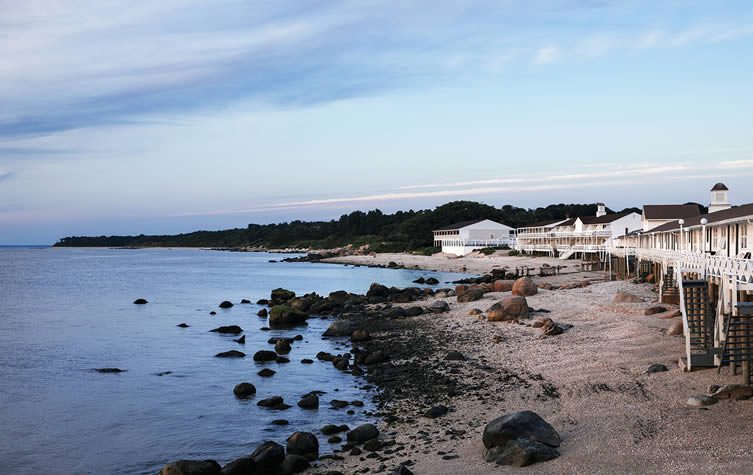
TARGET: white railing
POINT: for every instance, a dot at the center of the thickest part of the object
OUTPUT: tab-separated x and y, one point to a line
510	242
715	266
564	234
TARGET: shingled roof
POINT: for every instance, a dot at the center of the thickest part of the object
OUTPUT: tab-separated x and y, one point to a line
720	187
663	212
731	214
461	224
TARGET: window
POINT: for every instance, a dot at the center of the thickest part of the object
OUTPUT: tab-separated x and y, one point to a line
744	236
719	197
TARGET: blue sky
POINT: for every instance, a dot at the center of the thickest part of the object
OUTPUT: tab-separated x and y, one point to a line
162	117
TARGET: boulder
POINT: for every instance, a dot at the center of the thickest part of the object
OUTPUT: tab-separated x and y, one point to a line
265	355
231	354
701	400
109	370
212	313
375	357
262	302
280	296
330	429
282	347
295	464
413	311
519	425
304	444
192	467
440	306
140	302
548	327
273	401
268	456
302	304
471	295
267	373
282	316
245	301
263	313
656	368
395	313
509	309
183	325
524	287
625	297
360	335
436	411
474	312
676	328
420	280
230	330
241	340
244	390
339	298
310	401
432	281
241	466
340	328
502	285
378	290
363	433
654	309
226	304
521	453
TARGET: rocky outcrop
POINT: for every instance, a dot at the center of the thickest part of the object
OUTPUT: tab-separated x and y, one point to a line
282	316
280	296
510	309
524	287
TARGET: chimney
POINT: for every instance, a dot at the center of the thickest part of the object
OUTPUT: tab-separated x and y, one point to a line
719	198
601	210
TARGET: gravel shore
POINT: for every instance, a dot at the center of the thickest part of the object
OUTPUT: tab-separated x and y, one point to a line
588	382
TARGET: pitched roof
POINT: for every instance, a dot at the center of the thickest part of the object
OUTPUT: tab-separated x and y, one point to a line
670	211
607	218
462	224
737	212
543	224
720	187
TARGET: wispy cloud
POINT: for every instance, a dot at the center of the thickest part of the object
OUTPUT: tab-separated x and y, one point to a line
115	61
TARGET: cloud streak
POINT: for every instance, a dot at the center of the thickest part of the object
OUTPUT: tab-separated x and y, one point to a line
114	61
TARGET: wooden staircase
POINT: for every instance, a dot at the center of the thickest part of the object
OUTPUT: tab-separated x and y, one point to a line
698	319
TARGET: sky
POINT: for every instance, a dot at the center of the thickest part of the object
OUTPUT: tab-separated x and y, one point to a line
130	117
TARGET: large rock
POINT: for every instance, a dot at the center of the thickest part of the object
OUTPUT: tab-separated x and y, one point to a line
440	306
241	466
525	287
294	464
378	291
268	456
244	390
701	400
310	401
655	309
676	328
226	304
140	302
230	330
625	297
521	453
304	444
192	467
339	298
363	433
280	296
502	285
360	335
509	309
282	316
471	295
340	328
519	425
265	355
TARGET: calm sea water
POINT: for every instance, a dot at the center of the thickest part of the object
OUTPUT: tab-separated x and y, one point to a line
64	312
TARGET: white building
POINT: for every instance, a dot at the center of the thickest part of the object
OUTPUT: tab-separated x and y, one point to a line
467	236
657	215
577	236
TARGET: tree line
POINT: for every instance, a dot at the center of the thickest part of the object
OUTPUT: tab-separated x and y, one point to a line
402	231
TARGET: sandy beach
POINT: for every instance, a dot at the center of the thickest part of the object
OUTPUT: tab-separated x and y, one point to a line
589	383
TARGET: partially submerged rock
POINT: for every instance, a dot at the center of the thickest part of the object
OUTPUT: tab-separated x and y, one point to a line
140	302
304	444
229	330
231	354
282	316
244	390
226	304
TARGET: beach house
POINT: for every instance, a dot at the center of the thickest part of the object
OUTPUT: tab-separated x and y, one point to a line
579	236
467	236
